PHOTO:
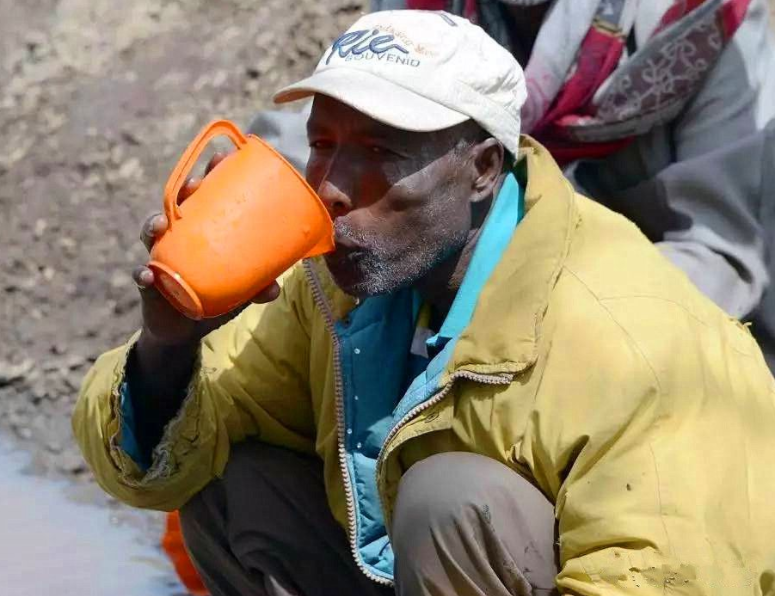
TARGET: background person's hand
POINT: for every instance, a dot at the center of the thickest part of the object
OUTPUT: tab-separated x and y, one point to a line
161	321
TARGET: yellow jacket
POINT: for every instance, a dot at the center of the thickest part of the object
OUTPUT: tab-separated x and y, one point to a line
591	366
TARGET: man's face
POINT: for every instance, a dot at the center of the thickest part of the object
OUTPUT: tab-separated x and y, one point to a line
399	199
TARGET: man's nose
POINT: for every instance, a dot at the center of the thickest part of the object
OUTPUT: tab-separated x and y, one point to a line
337	201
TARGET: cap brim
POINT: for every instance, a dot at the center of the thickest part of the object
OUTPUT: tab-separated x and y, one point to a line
378	98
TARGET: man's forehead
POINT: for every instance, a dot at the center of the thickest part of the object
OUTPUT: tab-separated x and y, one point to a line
329	113
331	116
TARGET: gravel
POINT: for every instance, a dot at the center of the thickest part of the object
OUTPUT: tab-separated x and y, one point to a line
99	98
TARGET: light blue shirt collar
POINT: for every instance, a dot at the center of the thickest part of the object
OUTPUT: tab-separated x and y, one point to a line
504	216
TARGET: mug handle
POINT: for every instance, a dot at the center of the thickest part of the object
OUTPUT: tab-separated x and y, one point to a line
178	177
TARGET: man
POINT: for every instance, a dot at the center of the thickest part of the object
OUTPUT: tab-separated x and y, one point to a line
639	100
492	386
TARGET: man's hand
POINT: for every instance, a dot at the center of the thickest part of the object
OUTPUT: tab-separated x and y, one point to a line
162	323
162	363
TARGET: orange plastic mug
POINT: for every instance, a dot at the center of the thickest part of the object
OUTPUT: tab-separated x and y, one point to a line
251	219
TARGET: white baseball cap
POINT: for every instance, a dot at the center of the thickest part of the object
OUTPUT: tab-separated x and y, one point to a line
421	71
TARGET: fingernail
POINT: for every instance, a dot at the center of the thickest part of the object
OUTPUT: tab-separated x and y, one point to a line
146	277
159	223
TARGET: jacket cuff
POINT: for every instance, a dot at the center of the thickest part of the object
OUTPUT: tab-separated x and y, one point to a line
180	436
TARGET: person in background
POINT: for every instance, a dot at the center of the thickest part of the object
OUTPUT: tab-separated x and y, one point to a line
493	385
653	107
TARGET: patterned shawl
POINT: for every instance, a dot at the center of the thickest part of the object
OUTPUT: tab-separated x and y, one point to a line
586	96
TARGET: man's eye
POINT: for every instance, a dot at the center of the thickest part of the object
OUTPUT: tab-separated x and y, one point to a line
379	150
319	144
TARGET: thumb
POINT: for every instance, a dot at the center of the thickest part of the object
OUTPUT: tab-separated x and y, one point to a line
268	294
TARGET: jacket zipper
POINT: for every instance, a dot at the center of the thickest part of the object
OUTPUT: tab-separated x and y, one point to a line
499	379
328	317
322	303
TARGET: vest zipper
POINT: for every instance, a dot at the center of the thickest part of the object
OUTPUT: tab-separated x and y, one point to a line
322	303
320	300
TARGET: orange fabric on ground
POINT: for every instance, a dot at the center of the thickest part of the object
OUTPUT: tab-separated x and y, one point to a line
172	543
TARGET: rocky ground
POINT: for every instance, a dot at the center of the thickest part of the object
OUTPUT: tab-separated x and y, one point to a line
97	100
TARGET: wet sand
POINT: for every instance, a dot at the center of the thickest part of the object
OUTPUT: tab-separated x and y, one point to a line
57	542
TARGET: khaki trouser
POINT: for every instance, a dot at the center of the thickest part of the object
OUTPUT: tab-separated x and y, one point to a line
464	525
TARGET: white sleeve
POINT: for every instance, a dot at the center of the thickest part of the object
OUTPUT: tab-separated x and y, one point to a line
716	177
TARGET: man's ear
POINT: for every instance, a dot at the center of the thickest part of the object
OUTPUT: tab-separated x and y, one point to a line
488	160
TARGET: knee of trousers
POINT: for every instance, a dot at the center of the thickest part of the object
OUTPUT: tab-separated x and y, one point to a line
247	472
198	519
449	489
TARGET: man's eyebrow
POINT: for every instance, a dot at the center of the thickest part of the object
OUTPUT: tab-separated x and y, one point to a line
382	132
374	131
315	126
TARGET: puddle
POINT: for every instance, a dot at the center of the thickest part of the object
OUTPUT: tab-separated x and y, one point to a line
52	543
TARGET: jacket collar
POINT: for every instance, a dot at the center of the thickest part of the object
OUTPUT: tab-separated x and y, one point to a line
503	334
506	325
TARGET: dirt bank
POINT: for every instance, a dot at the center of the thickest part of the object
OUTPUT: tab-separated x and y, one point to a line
98	98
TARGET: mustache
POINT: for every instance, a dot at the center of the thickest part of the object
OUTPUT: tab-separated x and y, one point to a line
366	243
345	233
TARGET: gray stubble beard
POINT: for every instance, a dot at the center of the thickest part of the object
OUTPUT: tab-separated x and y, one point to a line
384	270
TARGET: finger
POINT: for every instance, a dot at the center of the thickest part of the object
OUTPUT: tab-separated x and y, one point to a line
271	292
143	278
217	158
189	188
153	227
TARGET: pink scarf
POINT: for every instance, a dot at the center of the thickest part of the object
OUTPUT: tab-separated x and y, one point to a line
584	100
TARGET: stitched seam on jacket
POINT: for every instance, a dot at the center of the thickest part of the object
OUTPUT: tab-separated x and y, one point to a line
635	345
624	331
657	299
659	494
730	345
551	282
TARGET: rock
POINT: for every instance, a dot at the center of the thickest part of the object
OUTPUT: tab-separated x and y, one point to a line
119	279
73	381
39	391
76	361
12	284
50	366
40	227
11	373
23	432
67	243
54	447
92	180
71	463
129	136
58	348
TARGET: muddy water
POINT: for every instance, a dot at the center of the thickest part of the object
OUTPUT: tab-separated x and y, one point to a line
56	542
